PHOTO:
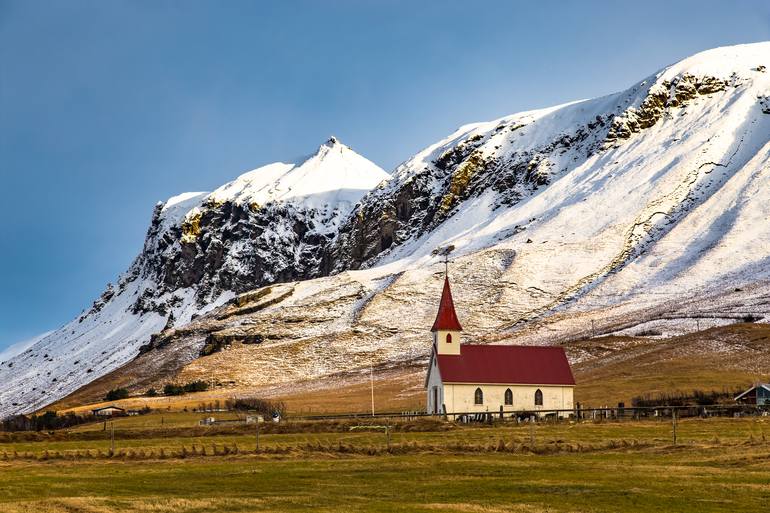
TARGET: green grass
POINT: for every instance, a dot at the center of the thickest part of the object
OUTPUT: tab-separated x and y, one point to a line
715	480
131	434
720	465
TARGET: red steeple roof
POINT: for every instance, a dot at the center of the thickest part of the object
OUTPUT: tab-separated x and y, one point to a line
446	318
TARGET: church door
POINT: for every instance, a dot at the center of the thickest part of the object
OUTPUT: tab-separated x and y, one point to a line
436	409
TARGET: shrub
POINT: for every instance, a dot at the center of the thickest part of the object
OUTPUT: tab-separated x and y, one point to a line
115	394
697	397
151	393
193	386
171	389
196	386
47	421
261	406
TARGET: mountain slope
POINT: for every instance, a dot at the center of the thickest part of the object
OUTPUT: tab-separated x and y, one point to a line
644	210
201	249
628	165
649	207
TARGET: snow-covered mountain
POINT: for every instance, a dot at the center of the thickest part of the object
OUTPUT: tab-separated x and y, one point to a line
624	209
268	225
201	249
624	169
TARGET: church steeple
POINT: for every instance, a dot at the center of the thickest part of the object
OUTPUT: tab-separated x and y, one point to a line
446	319
446	328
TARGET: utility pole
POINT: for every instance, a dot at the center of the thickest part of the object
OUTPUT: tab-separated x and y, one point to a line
371	380
257	423
112	437
673	422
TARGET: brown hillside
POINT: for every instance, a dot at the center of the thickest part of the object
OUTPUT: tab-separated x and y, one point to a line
608	370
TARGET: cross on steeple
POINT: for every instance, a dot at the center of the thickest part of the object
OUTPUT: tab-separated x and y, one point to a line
444	252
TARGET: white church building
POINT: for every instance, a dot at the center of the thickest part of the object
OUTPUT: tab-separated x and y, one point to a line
478	378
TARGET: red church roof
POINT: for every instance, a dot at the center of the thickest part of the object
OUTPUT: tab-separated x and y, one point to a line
525	365
446	318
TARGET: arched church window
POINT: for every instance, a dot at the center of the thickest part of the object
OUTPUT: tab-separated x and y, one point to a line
448	338
538	397
478	397
508	397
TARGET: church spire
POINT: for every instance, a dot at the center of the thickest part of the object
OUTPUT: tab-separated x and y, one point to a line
446	319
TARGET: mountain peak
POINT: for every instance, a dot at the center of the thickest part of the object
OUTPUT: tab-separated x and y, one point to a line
328	176
332	146
331	143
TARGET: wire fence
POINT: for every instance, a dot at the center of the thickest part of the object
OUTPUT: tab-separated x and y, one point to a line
555	415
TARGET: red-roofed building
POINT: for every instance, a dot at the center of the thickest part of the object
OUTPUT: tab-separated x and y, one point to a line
467	378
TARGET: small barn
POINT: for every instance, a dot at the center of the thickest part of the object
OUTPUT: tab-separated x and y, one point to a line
758	395
478	378
108	411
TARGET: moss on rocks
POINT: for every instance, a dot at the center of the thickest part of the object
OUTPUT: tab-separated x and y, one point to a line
664	95
459	181
191	226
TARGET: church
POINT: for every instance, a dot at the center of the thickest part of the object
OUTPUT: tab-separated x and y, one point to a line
479	378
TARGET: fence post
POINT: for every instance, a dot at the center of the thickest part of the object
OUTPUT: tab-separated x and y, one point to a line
532	430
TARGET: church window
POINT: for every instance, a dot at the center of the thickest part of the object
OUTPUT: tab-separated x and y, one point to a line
508	397
478	397
538	398
448	338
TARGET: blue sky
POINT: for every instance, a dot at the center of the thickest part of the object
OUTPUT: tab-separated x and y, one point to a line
107	107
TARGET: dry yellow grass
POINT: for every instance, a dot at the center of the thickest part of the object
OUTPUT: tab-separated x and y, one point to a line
144	505
616	369
716	359
395	390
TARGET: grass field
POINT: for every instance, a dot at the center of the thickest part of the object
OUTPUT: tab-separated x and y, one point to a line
718	465
166	462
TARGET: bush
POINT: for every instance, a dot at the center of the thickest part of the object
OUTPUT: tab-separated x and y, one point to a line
261	406
115	394
45	422
696	397
196	386
151	393
193	386
171	389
